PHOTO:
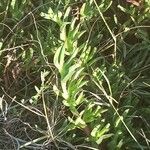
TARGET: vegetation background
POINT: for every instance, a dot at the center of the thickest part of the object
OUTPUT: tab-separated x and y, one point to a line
74	74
